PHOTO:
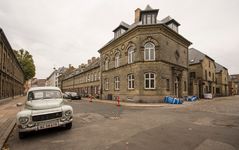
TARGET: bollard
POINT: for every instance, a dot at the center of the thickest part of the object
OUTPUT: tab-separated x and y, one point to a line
118	101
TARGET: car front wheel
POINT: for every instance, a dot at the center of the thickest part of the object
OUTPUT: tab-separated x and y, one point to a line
68	125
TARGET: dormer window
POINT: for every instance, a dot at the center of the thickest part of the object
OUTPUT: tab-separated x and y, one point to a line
148	19
123	27
119	32
149	15
173	26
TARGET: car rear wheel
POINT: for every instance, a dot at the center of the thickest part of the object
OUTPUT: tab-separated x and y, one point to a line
68	125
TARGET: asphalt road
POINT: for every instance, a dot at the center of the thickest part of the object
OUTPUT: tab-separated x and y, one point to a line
206	125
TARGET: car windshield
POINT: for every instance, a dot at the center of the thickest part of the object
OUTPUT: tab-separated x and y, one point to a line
73	94
44	94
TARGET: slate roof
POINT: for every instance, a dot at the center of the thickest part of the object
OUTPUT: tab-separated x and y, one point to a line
195	56
219	67
168	20
123	25
90	66
165	21
148	7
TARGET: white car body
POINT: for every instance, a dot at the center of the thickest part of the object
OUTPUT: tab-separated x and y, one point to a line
43	109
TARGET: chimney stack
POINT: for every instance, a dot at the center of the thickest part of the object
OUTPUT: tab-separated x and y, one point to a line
137	15
89	61
93	59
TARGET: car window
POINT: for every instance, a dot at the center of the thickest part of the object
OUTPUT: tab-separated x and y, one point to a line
44	94
73	94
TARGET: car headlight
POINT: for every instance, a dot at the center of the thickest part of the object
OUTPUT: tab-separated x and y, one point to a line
23	120
68	113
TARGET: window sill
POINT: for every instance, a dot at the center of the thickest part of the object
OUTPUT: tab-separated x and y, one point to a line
152	89
149	60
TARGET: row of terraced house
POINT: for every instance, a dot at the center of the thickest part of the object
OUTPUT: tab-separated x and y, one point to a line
146	61
11	73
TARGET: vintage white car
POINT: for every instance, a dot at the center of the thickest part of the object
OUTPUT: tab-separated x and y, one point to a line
44	109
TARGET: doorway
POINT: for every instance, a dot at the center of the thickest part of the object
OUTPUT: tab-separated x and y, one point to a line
176	85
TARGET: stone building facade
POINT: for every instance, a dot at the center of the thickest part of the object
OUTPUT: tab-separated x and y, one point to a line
221	80
11	73
234	84
202	74
38	82
53	79
146	60
85	80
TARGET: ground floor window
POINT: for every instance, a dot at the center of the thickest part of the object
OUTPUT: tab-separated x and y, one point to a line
167	84
106	84
149	80
130	81
117	83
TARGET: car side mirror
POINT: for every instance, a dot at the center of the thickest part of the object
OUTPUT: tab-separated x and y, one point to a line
19	104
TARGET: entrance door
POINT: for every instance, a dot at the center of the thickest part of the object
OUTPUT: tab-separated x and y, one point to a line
176	86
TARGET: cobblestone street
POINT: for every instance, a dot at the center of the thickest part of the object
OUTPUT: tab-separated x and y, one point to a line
205	124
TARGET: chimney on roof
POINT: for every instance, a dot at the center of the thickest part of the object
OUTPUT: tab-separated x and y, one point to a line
93	59
137	15
89	61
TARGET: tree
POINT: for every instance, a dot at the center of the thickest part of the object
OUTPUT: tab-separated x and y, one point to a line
26	61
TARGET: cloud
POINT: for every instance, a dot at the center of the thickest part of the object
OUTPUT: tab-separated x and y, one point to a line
60	32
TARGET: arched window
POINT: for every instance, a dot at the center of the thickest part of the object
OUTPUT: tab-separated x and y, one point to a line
130	55
106	64
117	57
149	51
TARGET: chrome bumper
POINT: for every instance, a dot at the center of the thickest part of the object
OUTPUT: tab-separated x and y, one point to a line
34	126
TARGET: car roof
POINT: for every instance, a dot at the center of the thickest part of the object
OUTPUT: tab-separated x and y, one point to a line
44	88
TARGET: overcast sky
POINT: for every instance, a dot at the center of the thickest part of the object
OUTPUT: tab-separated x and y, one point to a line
62	32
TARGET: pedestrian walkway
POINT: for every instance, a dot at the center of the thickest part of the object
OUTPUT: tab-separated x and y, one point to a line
132	104
8	111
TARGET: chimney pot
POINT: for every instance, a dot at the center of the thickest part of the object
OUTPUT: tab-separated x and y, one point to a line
137	15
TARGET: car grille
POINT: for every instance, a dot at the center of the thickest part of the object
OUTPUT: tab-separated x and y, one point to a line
47	116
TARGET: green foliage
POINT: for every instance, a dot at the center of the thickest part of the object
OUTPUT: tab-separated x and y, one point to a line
26	61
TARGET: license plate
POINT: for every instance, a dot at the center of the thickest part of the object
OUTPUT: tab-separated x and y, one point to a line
49	124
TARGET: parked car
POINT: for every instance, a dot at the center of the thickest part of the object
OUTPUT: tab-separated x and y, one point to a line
72	96
44	109
66	95
75	96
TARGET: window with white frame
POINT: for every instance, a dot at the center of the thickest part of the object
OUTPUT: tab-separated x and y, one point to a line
92	77
117	57
95	76
149	51
117	83
106	84
88	79
106	64
149	80
130	81
98	75
130	55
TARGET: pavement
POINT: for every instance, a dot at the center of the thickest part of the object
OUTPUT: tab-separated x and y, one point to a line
8	110
132	104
